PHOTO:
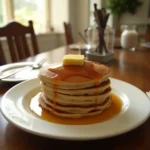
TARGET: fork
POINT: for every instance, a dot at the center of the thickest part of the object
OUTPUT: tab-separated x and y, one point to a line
36	65
148	94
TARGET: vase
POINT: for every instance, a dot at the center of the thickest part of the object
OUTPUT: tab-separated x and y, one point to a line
101	50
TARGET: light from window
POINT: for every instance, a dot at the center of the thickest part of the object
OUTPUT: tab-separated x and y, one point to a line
1	14
25	10
98	2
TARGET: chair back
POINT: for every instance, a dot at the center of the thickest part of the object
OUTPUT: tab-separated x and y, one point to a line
68	33
17	41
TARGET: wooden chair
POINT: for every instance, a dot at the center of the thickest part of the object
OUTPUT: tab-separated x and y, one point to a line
68	33
17	42
147	34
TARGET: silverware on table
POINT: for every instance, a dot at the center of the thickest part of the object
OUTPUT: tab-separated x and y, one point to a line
36	65
148	94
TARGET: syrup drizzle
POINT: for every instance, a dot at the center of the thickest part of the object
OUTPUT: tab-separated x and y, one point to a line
107	114
62	73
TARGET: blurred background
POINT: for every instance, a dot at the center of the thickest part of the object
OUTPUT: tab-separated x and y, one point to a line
49	15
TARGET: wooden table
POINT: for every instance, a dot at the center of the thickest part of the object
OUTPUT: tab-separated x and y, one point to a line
132	67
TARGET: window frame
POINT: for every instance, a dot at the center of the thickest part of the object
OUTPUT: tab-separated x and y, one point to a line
9	13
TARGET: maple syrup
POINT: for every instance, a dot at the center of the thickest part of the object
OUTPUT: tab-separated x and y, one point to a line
87	72
63	73
107	114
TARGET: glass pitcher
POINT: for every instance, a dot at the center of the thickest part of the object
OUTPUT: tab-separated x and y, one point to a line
92	36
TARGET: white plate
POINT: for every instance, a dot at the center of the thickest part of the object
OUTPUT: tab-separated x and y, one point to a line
77	46
135	111
20	76
146	45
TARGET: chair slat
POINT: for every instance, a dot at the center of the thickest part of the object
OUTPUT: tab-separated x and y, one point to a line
34	45
68	33
17	42
19	47
25	46
33	39
2	56
13	52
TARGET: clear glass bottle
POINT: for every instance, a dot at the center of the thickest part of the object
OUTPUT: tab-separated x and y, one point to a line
109	36
92	35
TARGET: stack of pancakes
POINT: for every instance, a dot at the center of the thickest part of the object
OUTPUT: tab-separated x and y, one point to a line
75	91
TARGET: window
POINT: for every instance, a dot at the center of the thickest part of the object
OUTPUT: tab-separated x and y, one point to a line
25	10
99	5
1	14
45	14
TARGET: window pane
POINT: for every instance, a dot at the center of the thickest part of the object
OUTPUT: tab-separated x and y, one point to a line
26	10
91	9
92	2
1	14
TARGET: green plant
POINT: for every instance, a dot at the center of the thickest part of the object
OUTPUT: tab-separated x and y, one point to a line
119	7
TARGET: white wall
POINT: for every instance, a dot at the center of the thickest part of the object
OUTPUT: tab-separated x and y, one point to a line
50	41
59	14
79	16
141	17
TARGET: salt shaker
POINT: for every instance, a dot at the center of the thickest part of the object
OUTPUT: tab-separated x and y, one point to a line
129	38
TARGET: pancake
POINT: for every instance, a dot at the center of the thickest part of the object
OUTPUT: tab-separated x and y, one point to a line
74	77
76	109
84	91
75	112
78	100
75	91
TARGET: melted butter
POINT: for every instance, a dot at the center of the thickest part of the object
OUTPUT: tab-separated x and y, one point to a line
107	114
62	73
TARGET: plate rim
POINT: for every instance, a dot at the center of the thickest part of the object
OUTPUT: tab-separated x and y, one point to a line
4	67
145	45
65	137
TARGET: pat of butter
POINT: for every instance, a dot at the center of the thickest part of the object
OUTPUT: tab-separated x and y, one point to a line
71	59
